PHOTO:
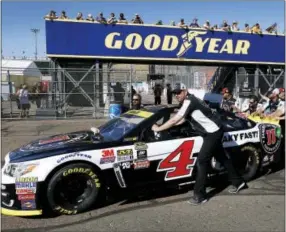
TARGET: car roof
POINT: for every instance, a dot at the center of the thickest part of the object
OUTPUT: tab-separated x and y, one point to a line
156	108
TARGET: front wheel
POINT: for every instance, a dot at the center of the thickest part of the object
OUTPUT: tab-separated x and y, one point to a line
73	189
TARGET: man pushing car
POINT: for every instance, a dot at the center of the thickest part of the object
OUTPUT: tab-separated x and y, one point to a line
205	120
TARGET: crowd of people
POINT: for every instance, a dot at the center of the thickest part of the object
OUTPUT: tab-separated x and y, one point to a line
272	105
225	26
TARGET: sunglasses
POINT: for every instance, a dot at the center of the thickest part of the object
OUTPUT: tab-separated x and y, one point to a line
135	99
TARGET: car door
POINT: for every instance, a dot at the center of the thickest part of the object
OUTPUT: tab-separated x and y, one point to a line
167	156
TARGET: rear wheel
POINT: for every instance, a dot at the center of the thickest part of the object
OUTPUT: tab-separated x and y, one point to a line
247	161
73	189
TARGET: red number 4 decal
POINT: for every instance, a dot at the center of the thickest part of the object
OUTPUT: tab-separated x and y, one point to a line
179	167
271	137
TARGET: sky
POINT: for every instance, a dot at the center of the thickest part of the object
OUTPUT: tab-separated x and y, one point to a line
18	18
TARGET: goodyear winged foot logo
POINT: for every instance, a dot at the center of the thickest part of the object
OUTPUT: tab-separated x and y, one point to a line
187	41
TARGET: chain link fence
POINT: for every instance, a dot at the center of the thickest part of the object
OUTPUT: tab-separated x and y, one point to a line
84	93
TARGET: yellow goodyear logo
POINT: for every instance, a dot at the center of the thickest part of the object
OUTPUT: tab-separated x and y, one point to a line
86	171
168	43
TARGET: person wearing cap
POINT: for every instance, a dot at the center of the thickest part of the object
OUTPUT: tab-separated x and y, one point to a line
208	123
273	104
281	94
228	102
90	18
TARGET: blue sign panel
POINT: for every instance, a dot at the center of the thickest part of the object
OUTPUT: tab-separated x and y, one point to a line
160	43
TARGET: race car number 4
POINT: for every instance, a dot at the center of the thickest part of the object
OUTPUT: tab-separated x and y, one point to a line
179	167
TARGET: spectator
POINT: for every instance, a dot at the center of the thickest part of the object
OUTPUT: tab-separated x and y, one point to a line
63	15
159	22
252	107
36	94
112	19
194	24
228	103
79	16
157	94
101	19
173	23
247	28
281	94
272	28
137	19
273	103
122	19
215	27
23	95
137	102
51	15
182	23
90	18
234	26
207	25
118	93
169	94
225	26
256	29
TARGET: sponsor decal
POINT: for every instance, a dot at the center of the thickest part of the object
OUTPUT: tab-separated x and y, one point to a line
268	137
26	185
27	197
25	191
168	43
142	154
87	171
240	136
54	139
28	204
72	156
27	179
131	139
140	164
107	156
141	146
126	165
124	155
140	113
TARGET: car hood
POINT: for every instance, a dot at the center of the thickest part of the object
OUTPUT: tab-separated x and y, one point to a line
57	145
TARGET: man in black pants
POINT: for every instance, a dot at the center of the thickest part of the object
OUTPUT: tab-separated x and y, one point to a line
206	121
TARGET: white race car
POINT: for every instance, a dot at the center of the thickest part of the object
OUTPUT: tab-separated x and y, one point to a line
65	173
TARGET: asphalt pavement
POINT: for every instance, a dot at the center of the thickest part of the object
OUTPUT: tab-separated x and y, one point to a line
261	207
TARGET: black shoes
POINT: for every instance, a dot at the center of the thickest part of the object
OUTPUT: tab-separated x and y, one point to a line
236	189
197	200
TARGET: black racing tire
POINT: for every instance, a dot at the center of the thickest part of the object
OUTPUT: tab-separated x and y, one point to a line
73	189
248	161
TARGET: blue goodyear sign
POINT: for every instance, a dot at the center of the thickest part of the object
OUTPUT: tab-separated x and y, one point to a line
137	42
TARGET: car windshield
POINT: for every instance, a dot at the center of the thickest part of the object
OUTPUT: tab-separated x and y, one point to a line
117	128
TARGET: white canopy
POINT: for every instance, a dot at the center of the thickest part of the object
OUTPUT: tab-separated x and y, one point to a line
20	68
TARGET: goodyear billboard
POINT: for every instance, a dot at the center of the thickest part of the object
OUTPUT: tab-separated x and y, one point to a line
160	43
